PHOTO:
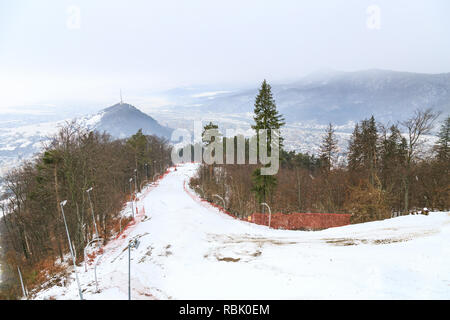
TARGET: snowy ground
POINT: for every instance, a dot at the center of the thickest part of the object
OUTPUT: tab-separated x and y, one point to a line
190	250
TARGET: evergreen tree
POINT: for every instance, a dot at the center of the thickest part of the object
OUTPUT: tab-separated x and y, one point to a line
442	146
393	149
354	149
329	148
266	116
140	147
363	151
213	129
369	140
138	143
263	185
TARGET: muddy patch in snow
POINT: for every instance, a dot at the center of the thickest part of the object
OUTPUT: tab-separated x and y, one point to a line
228	259
356	241
167	252
250	239
257	253
236	249
145	294
147	254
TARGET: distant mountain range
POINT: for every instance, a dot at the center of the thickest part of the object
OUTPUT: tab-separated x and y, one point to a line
340	97
308	104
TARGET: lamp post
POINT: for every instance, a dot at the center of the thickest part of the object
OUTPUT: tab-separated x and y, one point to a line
21	283
95	272
92	210
62	204
85	248
132	244
270	212
131	197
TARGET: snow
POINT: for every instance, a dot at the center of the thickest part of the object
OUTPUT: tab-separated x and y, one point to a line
191	250
209	94
91	121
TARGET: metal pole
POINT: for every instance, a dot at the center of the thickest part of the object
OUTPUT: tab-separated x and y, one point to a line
129	271
21	283
95	272
62	204
92	210
85	248
131	244
270	212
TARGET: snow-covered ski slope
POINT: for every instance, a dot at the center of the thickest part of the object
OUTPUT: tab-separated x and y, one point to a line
190	250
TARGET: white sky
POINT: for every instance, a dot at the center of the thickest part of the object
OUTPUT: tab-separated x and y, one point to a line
147	46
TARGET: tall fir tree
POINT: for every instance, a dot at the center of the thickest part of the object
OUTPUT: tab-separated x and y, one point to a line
442	146
263	185
138	143
266	116
213	130
363	147
369	144
354	149
393	149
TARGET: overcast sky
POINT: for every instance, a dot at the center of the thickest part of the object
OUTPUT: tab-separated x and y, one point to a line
68	50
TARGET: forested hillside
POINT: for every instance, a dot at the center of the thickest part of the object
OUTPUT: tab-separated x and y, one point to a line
33	236
389	170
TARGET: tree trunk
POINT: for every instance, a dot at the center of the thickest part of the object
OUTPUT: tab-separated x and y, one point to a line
299	199
406	201
58	209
